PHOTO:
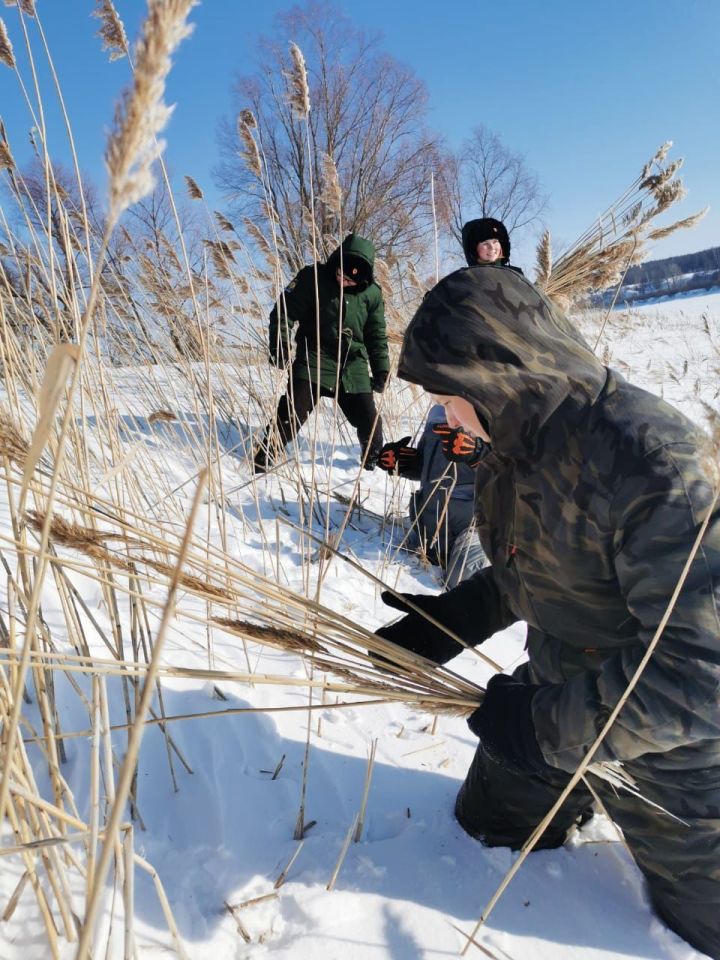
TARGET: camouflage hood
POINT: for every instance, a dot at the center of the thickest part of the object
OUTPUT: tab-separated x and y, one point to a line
488	335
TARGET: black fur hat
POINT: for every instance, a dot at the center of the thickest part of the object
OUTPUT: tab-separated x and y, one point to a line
475	231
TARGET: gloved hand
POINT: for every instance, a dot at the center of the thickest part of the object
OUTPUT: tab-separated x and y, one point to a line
504	724
414	632
378	381
461	447
397	456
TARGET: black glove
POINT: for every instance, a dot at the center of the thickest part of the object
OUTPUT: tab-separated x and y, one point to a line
378	381
461	447
397	456
504	724
414	632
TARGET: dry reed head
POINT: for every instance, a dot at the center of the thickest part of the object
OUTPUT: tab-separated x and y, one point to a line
282	639
162	416
7	161
194	191
141	114
222	256
111	32
27	6
331	194
223	222
249	150
6	51
543	260
12	444
298	89
685	224
710	450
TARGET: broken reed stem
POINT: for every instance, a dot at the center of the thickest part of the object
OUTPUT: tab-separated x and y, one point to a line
366	792
343	853
588	758
300	823
128	768
283	875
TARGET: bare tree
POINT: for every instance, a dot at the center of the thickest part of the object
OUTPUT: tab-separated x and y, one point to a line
367	113
484	179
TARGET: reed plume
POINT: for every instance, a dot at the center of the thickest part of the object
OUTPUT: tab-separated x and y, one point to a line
249	150
111	32
331	194
141	113
194	191
6	50
7	161
298	89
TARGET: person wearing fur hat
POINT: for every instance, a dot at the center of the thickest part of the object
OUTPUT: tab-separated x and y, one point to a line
486	240
338	310
597	508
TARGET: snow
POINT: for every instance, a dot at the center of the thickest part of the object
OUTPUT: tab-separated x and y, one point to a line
415	882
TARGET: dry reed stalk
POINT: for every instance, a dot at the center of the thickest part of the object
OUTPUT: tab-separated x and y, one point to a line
128	850
592	750
366	792
60	364
286	870
129	764
343	853
164	903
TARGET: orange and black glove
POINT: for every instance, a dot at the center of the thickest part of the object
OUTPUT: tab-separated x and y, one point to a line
460	447
397	457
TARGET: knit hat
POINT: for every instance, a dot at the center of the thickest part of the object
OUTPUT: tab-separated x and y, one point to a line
475	231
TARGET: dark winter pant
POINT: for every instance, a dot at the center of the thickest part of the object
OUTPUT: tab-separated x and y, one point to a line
359	408
680	861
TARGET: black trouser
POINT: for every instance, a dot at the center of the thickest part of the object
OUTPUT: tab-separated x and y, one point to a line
680	861
296	405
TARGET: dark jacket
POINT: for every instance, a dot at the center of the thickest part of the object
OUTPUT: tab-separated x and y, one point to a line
348	326
587	508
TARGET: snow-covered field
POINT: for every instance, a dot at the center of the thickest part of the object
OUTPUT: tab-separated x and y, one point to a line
414	883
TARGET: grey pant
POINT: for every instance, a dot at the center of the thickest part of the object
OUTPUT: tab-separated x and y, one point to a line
680	861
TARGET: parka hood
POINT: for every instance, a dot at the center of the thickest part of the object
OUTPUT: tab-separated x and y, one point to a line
354	246
488	335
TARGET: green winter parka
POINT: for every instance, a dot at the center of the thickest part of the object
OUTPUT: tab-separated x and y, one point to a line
587	507
347	325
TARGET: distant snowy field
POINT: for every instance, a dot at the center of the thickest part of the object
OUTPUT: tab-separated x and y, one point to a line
227	834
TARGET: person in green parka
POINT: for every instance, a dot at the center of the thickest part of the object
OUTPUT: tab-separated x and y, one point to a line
337	308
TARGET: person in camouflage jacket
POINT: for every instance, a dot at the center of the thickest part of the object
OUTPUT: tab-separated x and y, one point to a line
587	507
338	310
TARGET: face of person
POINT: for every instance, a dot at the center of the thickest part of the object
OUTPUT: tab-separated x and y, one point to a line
343	280
461	413
488	251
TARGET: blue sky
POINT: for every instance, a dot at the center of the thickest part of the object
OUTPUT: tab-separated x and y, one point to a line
585	92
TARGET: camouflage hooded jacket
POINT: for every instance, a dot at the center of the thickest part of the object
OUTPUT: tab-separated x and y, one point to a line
588	507
347	325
